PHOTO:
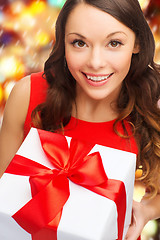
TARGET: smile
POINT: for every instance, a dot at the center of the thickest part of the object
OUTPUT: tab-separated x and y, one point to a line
98	78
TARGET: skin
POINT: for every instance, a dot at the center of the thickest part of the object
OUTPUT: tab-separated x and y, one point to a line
11	132
97	54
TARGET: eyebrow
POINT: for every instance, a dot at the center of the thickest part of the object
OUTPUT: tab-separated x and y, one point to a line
77	35
109	35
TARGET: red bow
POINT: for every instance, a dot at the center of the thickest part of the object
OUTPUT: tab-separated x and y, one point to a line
50	187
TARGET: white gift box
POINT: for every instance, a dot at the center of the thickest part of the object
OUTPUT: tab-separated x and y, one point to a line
86	215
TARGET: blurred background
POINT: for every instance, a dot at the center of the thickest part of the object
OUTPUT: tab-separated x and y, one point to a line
26	39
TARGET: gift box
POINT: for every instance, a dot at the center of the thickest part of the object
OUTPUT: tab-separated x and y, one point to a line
57	187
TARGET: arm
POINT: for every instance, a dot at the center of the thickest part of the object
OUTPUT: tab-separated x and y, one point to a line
11	132
143	212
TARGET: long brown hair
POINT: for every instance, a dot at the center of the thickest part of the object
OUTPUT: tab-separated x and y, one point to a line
140	90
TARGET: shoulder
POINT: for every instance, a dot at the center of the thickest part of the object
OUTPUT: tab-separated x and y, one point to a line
29	90
18	101
11	131
35	80
22	86
20	93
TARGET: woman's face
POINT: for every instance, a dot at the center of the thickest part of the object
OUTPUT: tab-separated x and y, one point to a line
98	50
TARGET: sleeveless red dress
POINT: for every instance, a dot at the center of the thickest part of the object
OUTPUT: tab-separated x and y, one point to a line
100	133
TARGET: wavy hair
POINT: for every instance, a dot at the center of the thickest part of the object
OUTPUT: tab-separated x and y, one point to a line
139	94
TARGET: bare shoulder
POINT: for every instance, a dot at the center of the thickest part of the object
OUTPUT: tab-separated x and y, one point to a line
18	101
11	131
21	88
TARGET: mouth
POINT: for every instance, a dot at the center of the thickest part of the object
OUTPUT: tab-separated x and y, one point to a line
97	78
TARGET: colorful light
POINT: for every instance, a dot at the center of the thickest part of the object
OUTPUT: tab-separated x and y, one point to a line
1	94
26	21
139	172
37	7
151	228
42	38
144	3
2	18
2	77
11	67
17	7
56	3
139	192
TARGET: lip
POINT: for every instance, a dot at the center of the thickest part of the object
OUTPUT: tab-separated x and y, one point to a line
97	83
95	75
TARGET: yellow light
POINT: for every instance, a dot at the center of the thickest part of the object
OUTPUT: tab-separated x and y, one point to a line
139	173
36	7
150	228
11	67
139	192
26	21
157	40
144	3
42	38
16	50
1	94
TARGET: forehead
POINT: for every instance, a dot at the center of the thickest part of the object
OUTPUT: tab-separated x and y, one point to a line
86	19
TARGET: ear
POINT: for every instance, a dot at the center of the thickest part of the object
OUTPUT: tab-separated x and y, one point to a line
136	48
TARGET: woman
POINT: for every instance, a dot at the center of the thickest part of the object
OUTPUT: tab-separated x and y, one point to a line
100	73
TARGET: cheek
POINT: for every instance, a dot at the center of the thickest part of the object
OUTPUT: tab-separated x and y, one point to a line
122	62
74	62
75	59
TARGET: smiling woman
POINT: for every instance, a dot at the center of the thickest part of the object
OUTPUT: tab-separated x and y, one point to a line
100	84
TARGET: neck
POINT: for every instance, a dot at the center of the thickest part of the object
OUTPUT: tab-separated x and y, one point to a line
94	111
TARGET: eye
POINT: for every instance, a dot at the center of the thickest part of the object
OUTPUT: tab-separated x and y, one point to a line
115	44
79	43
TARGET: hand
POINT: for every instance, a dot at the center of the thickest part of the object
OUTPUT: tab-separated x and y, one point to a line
139	220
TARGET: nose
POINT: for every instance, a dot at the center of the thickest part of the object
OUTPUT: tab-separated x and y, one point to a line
96	59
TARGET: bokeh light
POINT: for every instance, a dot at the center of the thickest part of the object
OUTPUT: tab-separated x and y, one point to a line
56	3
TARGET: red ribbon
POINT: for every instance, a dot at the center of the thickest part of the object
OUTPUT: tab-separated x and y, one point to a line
50	187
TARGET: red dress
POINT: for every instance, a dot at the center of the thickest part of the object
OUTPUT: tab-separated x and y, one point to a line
100	133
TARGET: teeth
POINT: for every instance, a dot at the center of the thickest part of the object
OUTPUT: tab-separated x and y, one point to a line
98	78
